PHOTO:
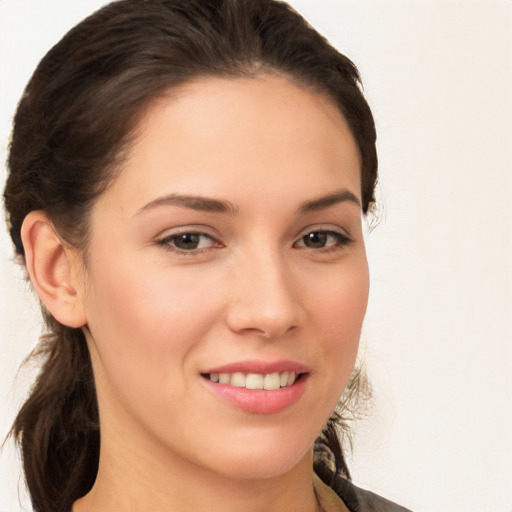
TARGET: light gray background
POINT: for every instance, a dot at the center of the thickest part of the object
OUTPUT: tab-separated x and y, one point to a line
438	338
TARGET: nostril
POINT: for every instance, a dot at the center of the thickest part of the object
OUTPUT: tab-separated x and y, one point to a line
251	321
268	332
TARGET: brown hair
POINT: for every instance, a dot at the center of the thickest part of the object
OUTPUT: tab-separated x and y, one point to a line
74	120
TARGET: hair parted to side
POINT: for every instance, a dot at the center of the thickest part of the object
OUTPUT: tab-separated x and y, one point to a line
73	124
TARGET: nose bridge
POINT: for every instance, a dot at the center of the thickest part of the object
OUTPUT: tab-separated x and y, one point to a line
265	299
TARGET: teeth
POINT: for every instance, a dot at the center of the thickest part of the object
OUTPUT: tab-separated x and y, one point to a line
238	380
224	378
254	381
272	381
269	382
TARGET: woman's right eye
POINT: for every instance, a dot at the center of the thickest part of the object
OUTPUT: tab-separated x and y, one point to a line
190	242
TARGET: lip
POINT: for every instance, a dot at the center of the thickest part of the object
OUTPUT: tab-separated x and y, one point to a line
259	401
257	366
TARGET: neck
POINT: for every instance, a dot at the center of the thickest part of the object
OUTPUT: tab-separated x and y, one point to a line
140	476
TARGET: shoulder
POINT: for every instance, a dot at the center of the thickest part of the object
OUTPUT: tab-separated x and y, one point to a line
355	498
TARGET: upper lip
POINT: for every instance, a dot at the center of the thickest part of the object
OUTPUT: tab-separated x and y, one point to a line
256	366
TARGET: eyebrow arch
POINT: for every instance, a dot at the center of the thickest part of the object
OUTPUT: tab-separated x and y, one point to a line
200	203
321	203
207	204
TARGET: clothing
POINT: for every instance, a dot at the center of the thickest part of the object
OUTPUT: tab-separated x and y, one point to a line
326	497
342	495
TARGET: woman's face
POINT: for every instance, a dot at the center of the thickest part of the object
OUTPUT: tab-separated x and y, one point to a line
230	244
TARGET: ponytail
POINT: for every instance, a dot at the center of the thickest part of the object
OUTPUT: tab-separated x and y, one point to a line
57	429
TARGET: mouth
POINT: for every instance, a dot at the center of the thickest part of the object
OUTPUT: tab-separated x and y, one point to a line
268	381
258	387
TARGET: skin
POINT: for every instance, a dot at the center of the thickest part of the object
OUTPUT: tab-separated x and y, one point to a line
156	317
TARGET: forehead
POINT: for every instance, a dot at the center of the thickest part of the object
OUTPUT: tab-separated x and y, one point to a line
267	132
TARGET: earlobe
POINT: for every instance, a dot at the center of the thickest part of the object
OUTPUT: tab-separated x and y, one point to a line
51	267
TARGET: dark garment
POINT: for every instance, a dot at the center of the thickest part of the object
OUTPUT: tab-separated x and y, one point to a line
356	499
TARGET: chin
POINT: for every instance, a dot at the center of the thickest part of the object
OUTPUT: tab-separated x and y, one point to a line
256	463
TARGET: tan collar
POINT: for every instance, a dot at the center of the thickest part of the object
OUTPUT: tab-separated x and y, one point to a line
327	498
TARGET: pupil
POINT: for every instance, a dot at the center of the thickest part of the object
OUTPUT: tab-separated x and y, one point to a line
315	240
187	241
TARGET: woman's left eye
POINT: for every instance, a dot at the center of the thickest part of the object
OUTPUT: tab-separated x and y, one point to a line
323	240
187	242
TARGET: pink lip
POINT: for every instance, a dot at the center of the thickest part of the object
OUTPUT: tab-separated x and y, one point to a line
256	366
259	401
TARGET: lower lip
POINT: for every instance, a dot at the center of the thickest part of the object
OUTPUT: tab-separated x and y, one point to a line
260	401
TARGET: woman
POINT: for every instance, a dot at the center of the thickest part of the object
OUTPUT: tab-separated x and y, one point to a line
186	187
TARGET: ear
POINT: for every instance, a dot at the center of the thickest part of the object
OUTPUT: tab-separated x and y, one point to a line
53	270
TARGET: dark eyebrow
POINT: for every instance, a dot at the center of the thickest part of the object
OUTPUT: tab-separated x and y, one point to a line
204	204
207	204
321	203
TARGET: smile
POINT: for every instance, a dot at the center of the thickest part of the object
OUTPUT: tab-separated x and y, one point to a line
257	386
269	381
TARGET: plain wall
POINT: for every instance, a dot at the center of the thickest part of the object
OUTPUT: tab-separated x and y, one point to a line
438	338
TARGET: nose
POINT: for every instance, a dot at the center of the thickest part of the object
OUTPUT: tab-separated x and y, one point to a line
265	298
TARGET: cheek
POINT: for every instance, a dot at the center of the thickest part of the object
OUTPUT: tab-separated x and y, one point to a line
145	324
148	305
339	304
337	313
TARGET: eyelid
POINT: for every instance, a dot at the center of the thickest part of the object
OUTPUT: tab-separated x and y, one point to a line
164	240
323	228
343	238
197	229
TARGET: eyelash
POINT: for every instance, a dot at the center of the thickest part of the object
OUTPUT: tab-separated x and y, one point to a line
167	243
340	241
